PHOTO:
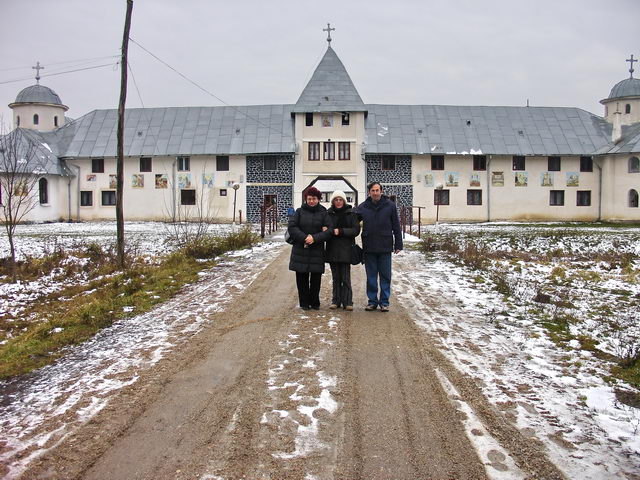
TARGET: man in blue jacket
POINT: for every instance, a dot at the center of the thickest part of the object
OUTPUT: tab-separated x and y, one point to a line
381	235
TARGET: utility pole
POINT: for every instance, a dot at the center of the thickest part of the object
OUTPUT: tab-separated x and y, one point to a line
120	159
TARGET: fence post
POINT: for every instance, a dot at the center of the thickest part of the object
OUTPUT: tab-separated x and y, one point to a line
263	218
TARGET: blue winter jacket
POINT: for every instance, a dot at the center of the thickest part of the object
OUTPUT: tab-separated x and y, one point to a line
381	231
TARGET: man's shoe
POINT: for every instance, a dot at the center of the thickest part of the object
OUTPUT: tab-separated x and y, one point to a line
305	307
370	307
315	307
349	308
384	308
333	306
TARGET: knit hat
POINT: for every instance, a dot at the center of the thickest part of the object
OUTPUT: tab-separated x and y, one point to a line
338	193
313	192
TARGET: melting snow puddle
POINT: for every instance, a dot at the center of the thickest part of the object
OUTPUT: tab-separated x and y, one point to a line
40	411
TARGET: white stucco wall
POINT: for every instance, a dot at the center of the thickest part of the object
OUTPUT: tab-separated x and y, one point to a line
46	114
617	181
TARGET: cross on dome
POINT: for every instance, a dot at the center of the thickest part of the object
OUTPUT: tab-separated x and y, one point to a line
631	60
37	68
329	30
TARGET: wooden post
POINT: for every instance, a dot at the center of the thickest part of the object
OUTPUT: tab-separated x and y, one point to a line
120	135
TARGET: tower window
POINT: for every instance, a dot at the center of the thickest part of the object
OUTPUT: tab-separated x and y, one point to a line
55	121
634	165
308	119
36	119
18	120
43	189
633	198
627	108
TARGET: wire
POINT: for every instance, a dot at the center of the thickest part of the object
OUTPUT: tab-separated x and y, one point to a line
60	73
135	83
61	63
207	91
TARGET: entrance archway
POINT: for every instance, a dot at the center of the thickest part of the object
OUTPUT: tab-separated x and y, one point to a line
328	184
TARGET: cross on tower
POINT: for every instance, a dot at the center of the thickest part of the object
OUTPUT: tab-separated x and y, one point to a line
329	30
631	60
37	68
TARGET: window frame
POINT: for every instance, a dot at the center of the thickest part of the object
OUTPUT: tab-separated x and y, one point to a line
223	192
515	163
388	159
441	196
632	198
270	160
36	119
143	164
437	162
554	163
627	108
220	163
102	198
586	163
555	196
97	165
43	192
474	192
183	163
479	163
313	153
308	119
83	195
329	151
190	191
344	150
634	165
583	198
346	119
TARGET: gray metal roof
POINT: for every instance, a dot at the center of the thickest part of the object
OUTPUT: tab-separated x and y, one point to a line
330	89
629	143
29	151
182	131
629	87
440	129
39	94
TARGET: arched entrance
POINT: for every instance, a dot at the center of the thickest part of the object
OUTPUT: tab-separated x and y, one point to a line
328	184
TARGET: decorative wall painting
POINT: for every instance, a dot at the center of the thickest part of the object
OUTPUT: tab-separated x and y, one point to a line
161	180
497	179
137	180
208	180
452	179
573	179
428	179
546	179
113	182
327	120
91	177
474	181
184	180
522	179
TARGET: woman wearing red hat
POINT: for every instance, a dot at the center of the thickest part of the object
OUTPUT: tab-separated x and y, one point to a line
308	229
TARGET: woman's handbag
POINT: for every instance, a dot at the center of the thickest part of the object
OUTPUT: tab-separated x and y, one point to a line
287	237
357	256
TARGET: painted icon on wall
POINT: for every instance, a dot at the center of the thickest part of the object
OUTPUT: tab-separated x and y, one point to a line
91	177
428	179
573	179
452	179
497	179
137	180
113	181
474	181
208	180
522	179
546	179
327	120
161	180
184	180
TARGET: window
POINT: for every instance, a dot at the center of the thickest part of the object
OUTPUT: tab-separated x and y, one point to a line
18	120
327	120
441	197
554	164
627	108
108	198
633	198
222	163
437	162
36	119
223	192
308	118
583	198
519	162
55	121
474	197
270	199
97	165
345	118
86	198
479	162
184	164
586	164
145	164
388	162
556	198
270	163
344	151
634	165
329	150
187	197
314	150
43	190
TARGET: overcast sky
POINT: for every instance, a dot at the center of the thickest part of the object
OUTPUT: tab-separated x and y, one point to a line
455	52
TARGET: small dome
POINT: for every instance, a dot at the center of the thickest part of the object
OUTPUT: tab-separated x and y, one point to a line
38	94
629	87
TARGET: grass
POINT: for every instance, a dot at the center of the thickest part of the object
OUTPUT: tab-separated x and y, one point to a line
78	312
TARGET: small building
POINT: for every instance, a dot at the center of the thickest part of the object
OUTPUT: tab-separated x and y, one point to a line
468	163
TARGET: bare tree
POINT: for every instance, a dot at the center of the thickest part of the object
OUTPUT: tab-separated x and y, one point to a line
22	166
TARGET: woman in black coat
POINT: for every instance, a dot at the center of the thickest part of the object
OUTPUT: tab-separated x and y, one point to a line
345	227
308	229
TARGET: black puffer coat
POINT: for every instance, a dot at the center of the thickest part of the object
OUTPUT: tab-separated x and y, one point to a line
339	247
308	220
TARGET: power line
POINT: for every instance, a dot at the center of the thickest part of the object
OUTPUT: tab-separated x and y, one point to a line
95	59
135	83
60	73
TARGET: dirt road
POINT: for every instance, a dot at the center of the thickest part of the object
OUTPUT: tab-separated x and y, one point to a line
271	391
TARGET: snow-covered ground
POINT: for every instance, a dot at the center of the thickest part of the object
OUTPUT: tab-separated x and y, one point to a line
555	393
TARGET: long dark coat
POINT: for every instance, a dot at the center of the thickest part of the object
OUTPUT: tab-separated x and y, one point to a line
308	220
381	231
339	247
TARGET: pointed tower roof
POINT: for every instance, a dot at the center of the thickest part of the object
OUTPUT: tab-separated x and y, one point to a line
330	89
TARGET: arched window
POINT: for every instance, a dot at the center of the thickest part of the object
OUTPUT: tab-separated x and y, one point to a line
627	108
55	121
606	110
634	165
36	119
18	120
633	198
43	188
